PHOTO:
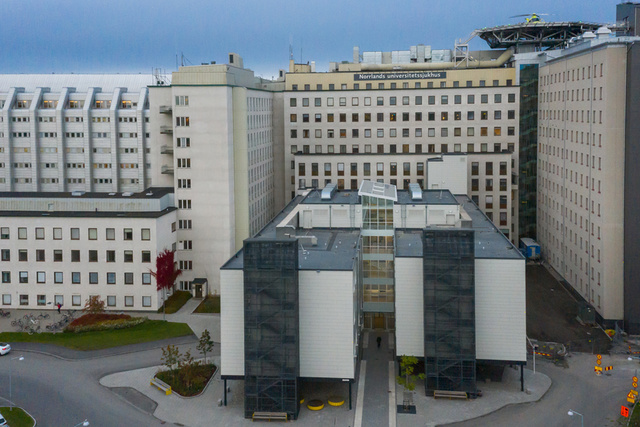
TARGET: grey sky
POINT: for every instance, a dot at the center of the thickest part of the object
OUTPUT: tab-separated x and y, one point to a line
137	35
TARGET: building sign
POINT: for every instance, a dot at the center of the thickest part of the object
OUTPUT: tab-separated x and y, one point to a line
408	75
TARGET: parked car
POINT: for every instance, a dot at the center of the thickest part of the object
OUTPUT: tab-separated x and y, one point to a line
4	349
3	422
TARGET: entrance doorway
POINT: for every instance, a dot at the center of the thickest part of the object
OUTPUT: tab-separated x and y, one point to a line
384	321
198	290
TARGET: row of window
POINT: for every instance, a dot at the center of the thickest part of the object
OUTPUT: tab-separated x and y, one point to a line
394	85
406	148
405	132
76	278
76	300
405	100
110	255
405	116
92	233
573	74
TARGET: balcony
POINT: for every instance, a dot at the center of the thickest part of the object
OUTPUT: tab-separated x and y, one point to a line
167	170
166	130
166	149
165	109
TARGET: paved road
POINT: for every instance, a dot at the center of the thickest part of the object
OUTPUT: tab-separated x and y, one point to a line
576	387
59	392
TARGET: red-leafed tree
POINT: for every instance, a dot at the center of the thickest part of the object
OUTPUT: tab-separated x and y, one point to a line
166	272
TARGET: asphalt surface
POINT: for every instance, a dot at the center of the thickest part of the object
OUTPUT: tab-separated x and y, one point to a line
576	387
58	391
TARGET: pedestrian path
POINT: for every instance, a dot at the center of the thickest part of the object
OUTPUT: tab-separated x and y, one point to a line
378	409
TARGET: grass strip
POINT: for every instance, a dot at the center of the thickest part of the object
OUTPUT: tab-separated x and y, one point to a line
17	417
151	330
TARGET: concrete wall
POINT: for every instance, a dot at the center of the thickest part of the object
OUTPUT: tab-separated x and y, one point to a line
327	346
409	307
232	322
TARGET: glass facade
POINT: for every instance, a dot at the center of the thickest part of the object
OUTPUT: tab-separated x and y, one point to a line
528	156
377	255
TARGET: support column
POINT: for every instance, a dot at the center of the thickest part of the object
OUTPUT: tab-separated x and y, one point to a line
225	392
521	377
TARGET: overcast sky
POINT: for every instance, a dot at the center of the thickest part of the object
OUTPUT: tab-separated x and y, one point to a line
91	36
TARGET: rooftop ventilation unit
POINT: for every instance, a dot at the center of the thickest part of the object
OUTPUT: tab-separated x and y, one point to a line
416	191
127	194
328	191
77	193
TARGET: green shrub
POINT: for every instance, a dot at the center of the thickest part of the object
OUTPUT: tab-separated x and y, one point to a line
190	379
107	325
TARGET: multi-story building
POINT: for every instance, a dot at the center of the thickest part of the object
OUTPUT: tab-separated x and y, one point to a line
425	264
217	137
587	177
383	121
65	247
74	132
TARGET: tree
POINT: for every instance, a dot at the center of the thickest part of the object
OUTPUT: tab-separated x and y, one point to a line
94	305
205	345
171	358
166	273
407	379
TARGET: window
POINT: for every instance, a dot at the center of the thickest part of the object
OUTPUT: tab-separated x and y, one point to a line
75	277
75	255
24	276
511	98
6	255
182	121
39	233
41	277
93	255
4	233
93	278
111	256
128	301
111	234
146	256
146	278
22	255
22	233
24	299
444	99
57	255
489	168
146	301
128	278
57	233
471	99
146	234
6	299
57	277
111	278
6	277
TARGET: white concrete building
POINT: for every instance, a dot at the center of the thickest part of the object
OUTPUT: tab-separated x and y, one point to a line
425	264
217	137
68	132
65	247
587	179
378	121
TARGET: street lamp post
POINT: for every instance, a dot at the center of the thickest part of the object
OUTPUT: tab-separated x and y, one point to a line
571	413
85	423
10	381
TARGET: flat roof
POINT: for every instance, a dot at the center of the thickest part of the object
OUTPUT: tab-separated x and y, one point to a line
490	243
88	214
403	197
149	193
133	83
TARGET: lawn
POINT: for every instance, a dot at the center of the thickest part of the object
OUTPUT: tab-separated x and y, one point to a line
176	301
151	330
17	417
211	304
634	419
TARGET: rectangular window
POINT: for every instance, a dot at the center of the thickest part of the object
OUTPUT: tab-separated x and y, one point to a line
111	234
6	277
24	276
111	278
128	301
75	300
146	256
6	299
22	233
128	278
75	255
24	299
57	255
146	301
75	277
128	256
146	278
6	254
128	234
93	255
57	277
41	277
22	255
39	233
93	278
111	256
4	233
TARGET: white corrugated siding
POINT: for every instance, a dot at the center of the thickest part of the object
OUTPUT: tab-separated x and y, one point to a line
409	307
340	217
232	322
81	82
326	324
500	309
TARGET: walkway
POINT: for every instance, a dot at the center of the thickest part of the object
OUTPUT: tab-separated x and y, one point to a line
378	373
